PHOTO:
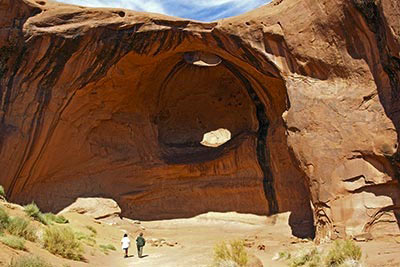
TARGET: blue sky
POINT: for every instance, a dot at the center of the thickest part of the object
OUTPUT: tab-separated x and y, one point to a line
204	10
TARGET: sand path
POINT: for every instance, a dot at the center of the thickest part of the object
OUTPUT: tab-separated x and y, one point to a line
196	238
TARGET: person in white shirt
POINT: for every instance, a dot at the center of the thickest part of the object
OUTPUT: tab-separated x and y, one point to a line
126	243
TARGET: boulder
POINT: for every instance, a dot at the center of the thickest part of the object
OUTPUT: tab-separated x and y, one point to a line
97	208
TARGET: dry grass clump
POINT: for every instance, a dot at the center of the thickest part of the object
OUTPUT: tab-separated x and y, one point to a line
33	211
13	242
50	217
62	241
86	239
4	219
109	247
106	248
342	253
20	227
29	261
309	258
91	229
233	254
17	226
2	193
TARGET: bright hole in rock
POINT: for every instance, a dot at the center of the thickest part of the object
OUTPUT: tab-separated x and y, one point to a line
216	138
202	59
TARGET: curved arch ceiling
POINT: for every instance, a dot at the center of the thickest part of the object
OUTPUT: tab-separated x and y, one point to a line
202	10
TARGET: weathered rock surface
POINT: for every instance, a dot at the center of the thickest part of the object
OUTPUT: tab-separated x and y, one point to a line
104	102
97	208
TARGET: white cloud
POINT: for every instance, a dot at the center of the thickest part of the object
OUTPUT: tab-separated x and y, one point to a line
147	5
206	10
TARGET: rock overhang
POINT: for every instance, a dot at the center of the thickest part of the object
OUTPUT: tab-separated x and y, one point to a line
89	111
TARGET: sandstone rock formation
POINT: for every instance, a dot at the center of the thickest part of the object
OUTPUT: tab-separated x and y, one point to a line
97	208
104	103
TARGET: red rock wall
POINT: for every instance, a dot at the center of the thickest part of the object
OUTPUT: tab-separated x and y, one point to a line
100	102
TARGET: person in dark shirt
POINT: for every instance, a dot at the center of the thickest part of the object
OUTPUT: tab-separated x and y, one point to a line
140	242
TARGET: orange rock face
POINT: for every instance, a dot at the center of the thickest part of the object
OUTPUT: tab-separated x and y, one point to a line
114	103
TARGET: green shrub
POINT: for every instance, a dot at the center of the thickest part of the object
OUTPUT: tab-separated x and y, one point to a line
61	219
33	211
2	192
88	240
91	229
20	227
62	241
29	261
50	217
309	257
109	247
106	248
13	242
4	219
235	253
341	251
284	255
221	253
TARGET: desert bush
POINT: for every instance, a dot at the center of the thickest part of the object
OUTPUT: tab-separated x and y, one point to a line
2	192
29	261
91	229
4	219
33	211
106	248
233	254
62	241
20	227
50	217
110	247
341	251
86	239
350	263
61	219
308	257
283	255
13	242
227	263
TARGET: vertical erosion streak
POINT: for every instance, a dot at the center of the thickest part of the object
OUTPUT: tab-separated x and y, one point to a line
390	64
262	155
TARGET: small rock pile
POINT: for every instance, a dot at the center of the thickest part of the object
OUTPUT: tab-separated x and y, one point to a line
159	242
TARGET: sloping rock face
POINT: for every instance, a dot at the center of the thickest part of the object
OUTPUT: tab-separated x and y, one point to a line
97	208
114	103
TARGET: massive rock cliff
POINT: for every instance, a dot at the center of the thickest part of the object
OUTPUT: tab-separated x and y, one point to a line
115	103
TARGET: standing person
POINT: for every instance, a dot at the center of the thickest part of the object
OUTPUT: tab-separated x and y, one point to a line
140	242
126	243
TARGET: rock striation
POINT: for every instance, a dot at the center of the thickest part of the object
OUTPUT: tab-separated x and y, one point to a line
114	103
